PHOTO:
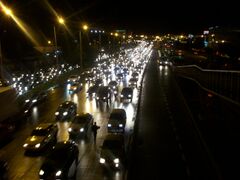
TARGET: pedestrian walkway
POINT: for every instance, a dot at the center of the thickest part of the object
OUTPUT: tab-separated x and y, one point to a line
167	145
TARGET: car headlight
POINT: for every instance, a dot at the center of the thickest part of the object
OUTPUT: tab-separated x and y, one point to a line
56	113
27	100
25	145
104	97
109	125
69	129
116	160
58	173
102	160
37	145
34	100
25	111
120	125
121	95
65	113
129	95
82	129
41	172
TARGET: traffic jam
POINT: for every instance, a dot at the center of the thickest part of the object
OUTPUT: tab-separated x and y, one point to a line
62	143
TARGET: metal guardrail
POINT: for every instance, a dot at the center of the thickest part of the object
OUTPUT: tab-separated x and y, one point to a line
223	82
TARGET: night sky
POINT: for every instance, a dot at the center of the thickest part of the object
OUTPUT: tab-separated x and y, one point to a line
149	16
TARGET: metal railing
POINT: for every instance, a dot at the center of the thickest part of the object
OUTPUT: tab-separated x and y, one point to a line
223	82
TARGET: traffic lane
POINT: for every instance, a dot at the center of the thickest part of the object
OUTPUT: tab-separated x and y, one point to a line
27	167
45	113
89	166
156	155
199	163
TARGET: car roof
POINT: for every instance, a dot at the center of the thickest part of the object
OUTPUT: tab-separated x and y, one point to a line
118	111
43	126
116	137
127	89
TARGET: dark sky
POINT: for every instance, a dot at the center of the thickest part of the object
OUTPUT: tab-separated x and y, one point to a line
151	16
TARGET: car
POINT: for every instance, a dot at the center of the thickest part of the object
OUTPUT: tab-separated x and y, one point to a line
127	93
34	100
61	162
114	87
98	82
119	76
92	90
3	83
117	121
112	153
133	82
75	87
135	75
89	77
73	79
103	94
81	125
42	136
66	111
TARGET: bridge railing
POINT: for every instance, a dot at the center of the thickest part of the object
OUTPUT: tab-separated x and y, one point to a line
223	82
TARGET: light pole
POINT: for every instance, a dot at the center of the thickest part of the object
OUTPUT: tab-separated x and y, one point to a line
85	28
8	12
60	21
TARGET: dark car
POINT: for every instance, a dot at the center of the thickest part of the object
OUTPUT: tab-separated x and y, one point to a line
135	75
34	100
103	94
42	136
73	79
133	82
114	87
3	83
66	111
127	93
112	152
75	87
92	91
119	76
98	82
81	125
117	121
61	162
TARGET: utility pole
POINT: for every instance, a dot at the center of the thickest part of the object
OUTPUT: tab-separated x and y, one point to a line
56	48
81	49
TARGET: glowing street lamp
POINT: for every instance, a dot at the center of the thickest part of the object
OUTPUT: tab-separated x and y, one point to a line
85	27
8	12
61	20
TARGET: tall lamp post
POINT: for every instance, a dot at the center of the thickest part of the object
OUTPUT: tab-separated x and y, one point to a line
8	12
85	28
60	21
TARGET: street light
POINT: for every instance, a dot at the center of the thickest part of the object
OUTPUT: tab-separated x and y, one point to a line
85	28
60	20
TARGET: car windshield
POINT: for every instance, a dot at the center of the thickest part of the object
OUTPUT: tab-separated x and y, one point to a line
80	119
39	132
112	144
117	116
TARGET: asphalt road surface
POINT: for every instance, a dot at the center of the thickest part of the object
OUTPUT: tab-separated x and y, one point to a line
167	144
27	167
